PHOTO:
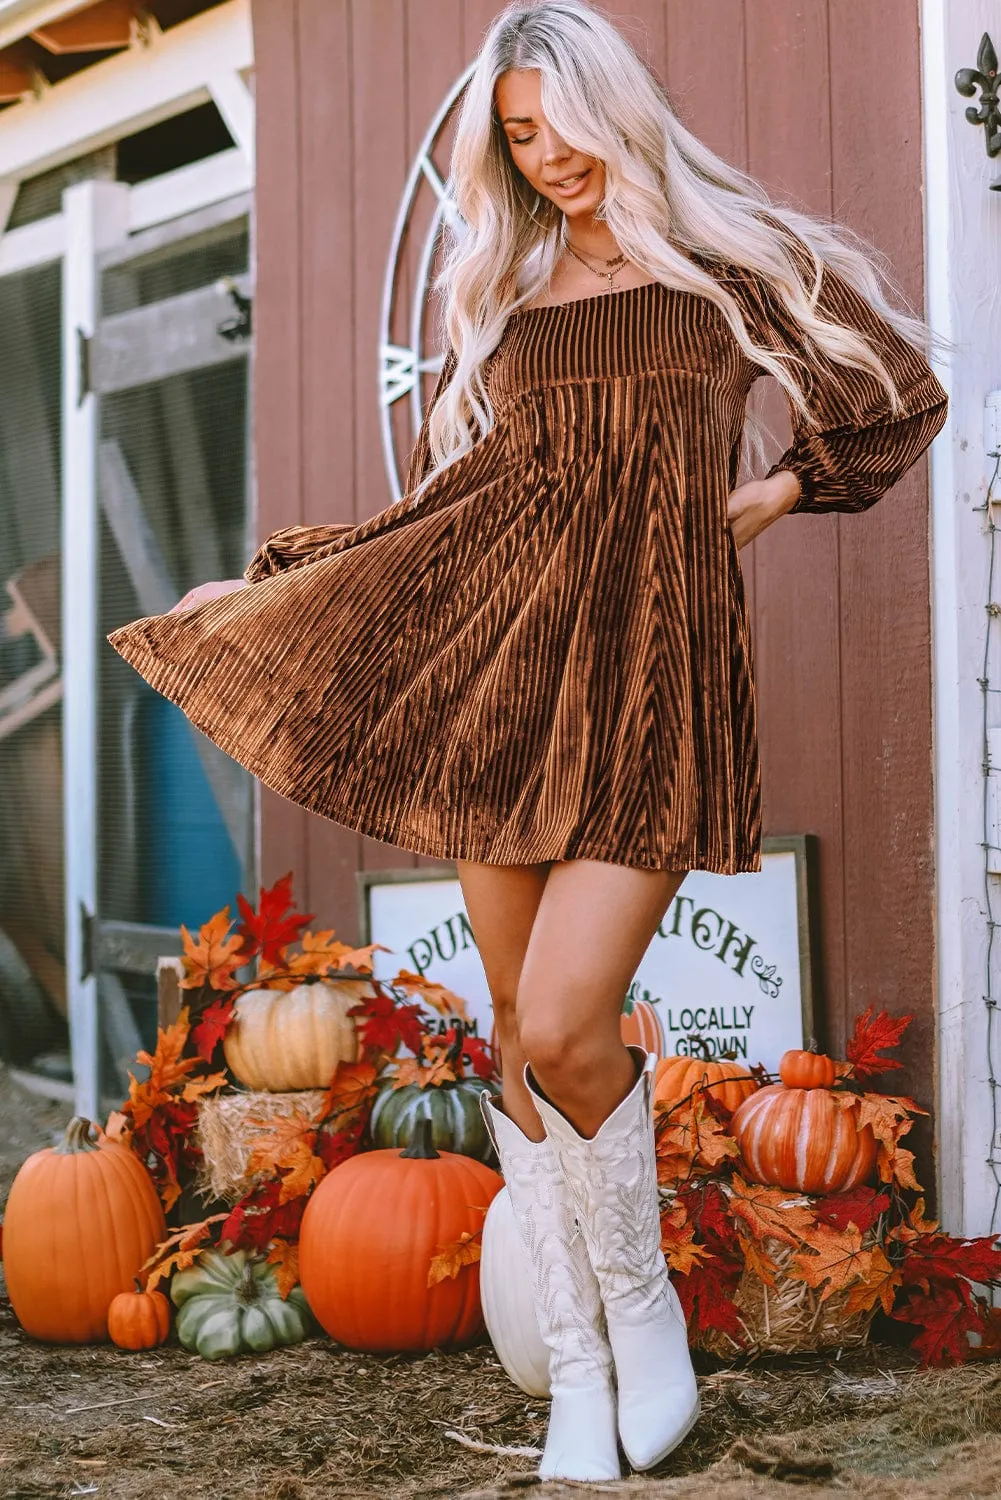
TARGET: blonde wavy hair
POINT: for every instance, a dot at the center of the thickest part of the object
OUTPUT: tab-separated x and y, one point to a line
666	196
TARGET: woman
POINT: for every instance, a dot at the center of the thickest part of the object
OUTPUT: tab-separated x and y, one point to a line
538	661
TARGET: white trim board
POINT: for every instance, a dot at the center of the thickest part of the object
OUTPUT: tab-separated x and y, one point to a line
174	195
179	69
963	244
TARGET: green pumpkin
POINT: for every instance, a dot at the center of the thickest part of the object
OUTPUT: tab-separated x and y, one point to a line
452	1108
230	1304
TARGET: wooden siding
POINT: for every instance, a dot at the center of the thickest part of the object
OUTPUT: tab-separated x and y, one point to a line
797	95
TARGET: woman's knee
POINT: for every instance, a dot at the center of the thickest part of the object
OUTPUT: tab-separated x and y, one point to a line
555	1042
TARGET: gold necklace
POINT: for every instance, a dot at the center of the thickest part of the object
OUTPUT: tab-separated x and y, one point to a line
615	261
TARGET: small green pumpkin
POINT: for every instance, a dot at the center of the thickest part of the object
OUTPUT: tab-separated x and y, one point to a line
230	1304
452	1108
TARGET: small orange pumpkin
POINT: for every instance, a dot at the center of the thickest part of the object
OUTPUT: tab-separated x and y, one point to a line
139	1319
727	1081
640	1026
803	1139
806	1070
81	1219
368	1236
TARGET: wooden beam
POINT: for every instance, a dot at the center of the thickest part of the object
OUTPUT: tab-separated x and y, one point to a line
17	76
136	88
96	28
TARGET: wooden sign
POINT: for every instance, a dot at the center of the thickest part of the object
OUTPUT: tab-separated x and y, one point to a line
730	971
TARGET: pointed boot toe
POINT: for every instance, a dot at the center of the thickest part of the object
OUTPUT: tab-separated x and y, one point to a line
652	1425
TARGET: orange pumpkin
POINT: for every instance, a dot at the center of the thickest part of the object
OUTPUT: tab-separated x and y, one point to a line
368	1235
81	1219
803	1139
138	1319
727	1081
640	1026
806	1070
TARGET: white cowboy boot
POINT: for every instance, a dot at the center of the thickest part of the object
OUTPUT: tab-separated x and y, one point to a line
581	1440
613	1183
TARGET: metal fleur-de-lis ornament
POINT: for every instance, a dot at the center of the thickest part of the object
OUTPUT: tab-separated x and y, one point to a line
985	78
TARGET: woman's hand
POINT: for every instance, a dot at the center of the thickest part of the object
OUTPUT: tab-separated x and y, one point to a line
759	502
202	592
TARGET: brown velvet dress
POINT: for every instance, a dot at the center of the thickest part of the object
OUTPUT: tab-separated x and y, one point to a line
548	656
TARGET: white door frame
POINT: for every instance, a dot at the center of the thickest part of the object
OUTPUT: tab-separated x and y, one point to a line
963	262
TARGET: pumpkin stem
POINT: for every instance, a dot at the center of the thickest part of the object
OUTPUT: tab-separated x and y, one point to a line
421	1146
248	1286
76	1138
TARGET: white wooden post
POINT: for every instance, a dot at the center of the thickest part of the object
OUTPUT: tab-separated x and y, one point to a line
963	257
96	216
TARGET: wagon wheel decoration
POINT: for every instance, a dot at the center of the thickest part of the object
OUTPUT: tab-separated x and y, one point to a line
426	208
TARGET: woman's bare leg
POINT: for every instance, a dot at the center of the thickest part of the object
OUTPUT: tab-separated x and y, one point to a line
501	902
592	927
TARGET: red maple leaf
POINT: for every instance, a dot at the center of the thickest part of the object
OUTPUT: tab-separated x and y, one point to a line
271	929
946	1314
333	1147
707	1208
259	1217
870	1035
212	1027
706	1295
480	1056
860	1206
941	1258
385	1022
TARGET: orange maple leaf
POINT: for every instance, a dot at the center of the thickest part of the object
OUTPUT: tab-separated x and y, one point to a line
878	1286
351	1087
361	958
449	1260
757	1260
896	1164
714	1145
887	1115
692	1140
178	1251
167	1068
914	1225
304	1170
770	1211
834	1260
446	1002
677	1240
215	957
432	1073
284	1256
285	1144
196	1088
676	1142
118	1128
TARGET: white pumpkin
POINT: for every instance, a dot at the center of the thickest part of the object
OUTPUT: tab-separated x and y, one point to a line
279	1041
506	1297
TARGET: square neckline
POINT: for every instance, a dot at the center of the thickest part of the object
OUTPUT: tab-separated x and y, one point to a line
622	291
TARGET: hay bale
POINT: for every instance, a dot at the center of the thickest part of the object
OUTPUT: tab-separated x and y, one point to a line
228	1125
789	1317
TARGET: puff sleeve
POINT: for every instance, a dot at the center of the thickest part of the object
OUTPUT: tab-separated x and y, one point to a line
860	448
293	546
